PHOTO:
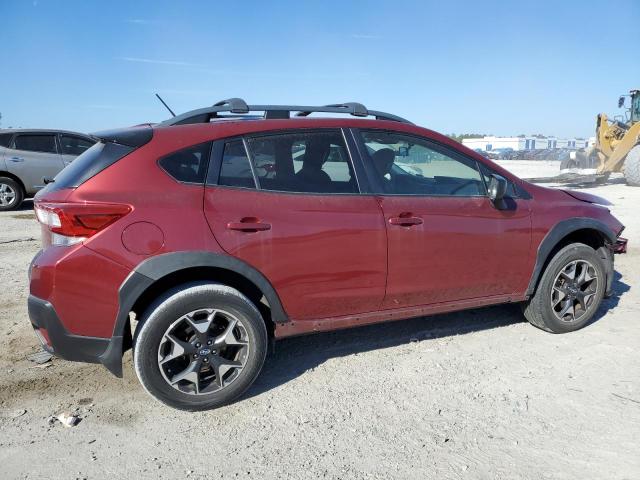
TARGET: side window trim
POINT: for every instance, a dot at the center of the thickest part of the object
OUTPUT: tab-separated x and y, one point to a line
439	147
252	166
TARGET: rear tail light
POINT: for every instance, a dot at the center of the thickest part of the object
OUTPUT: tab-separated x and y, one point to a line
71	223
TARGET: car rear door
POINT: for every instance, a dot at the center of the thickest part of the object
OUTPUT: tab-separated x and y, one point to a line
446	240
33	157
288	204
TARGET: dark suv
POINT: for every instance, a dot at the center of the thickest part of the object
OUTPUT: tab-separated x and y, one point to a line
197	240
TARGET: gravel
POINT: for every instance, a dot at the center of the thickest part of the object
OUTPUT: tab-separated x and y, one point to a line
476	394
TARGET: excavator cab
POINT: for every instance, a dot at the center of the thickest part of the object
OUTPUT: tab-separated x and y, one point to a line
634	115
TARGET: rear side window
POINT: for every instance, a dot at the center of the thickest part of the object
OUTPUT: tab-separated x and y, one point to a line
72	145
235	170
5	139
36	143
307	162
188	165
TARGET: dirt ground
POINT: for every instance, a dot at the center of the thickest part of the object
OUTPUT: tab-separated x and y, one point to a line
478	394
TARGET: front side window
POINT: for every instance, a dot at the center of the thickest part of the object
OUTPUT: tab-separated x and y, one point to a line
72	145
407	165
307	162
36	143
188	165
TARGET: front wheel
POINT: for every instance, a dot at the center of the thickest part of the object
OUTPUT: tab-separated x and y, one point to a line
199	346
570	290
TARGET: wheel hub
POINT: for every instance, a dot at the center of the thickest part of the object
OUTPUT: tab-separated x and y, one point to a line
7	194
203	351
574	290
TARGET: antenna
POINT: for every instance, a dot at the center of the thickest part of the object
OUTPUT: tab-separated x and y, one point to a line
165	104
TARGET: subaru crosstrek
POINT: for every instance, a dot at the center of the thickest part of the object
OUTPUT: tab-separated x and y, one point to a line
198	240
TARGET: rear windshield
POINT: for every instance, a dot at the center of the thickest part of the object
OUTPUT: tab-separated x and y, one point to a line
90	163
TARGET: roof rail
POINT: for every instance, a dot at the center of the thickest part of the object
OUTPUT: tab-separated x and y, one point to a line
239	107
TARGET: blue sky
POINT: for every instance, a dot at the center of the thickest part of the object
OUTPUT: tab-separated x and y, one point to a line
501	67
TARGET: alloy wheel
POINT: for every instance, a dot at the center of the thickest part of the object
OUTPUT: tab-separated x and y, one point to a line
203	351
7	195
574	290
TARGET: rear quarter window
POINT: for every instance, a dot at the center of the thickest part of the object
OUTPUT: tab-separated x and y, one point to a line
188	165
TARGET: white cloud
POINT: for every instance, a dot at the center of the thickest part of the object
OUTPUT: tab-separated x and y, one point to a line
139	21
159	62
364	36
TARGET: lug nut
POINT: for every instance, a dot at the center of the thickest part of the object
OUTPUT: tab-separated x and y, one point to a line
209	342
197	344
195	355
205	360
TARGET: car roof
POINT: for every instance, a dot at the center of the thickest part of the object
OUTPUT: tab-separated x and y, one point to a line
40	130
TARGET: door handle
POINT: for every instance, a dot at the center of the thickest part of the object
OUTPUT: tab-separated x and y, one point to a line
17	159
253	226
405	221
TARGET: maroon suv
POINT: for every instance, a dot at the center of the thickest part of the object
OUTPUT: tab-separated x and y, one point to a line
197	240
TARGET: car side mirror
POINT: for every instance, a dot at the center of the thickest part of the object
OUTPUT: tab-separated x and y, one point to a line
497	191
621	102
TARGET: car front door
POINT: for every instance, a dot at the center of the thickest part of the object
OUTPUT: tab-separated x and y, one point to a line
446	240
33	157
289	205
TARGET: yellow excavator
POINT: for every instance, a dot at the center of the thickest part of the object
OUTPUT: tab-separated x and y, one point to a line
617	146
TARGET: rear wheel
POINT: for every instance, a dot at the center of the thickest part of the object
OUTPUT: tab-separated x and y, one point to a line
632	166
11	194
569	292
200	346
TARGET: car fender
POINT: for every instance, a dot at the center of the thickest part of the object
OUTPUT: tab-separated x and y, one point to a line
557	233
153	269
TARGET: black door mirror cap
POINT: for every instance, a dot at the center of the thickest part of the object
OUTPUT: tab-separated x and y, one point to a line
497	191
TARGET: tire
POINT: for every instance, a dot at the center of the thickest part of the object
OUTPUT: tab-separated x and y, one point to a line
542	310
191	314
11	194
632	167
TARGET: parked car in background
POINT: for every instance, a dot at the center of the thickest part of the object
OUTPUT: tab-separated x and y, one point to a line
27	157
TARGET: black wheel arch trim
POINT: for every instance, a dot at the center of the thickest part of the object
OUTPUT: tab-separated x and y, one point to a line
159	266
557	233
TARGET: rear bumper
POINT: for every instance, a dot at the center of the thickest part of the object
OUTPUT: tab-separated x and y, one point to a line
58	341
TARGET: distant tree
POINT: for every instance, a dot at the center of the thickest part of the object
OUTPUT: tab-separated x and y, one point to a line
462	136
